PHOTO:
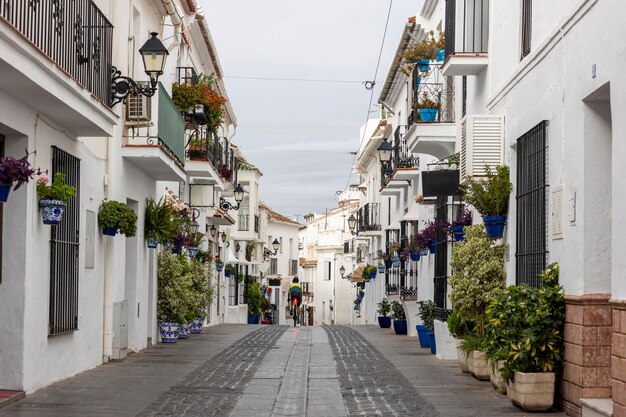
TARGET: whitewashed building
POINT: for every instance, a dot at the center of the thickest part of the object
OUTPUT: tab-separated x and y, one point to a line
72	298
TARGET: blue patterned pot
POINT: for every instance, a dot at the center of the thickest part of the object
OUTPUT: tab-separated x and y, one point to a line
4	192
109	231
184	332
152	242
51	211
192	251
196	325
169	331
219	267
381	269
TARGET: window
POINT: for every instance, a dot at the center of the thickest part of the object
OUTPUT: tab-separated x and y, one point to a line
527	26
273	266
64	252
293	267
531	255
327	270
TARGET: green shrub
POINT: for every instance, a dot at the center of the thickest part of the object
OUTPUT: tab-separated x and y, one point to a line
175	293
458	326
161	220
427	311
384	307
254	299
119	215
526	326
397	311
478	276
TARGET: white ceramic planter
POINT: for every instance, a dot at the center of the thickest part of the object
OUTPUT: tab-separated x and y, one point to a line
532	391
478	365
496	378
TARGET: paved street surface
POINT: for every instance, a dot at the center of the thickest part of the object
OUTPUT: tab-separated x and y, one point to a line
240	371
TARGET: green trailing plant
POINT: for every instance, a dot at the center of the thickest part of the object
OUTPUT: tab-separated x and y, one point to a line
175	293
161	220
368	270
384	307
490	196
57	190
525	325
478	275
426	310
118	215
397	311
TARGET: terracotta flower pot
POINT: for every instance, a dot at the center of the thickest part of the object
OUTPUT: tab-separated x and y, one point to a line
478	365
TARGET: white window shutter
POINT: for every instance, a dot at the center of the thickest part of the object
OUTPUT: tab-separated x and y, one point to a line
482	144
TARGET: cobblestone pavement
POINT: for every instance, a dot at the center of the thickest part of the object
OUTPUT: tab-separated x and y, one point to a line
214	388
370	384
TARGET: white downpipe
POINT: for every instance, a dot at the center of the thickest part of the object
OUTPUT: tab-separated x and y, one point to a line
176	21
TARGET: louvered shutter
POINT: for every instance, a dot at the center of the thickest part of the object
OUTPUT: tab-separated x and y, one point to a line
482	138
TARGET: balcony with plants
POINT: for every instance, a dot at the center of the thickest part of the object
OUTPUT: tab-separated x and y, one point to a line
467	29
76	38
403	165
430	121
158	148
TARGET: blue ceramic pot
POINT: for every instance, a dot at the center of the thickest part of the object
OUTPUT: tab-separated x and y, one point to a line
384	322
152	242
422	336
432	246
441	55
4	192
433	345
109	231
459	233
423	64
428	115
51	211
169	331
415	256
399	326
494	226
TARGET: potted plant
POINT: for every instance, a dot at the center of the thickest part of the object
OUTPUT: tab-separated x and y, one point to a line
478	277
385	257
180	240
160	223
427	311
419	54
192	95
370	272
440	46
416	246
174	295
114	217
226	172
532	333
53	197
204	293
399	318
428	108
457	227
219	264
195	240
230	269
384	307
15	171
491	198
254	302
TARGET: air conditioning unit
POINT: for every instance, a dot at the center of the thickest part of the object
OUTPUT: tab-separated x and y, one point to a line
138	109
482	144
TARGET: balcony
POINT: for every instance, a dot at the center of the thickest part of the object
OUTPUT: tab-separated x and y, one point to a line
243	223
368	219
404	165
161	153
467	37
57	56
433	131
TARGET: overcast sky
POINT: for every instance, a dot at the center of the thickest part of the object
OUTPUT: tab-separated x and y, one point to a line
299	134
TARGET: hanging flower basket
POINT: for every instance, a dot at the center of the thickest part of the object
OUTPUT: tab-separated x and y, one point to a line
415	256
219	267
373	275
109	231
152	242
381	269
388	263
432	246
494	226
4	192
51	211
192	251
458	232
441	55
423	64
177	249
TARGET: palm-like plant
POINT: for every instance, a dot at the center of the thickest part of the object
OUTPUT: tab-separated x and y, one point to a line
161	220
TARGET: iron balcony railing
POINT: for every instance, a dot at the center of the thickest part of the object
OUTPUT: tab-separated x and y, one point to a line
170	130
401	156
474	27
369	217
74	34
432	93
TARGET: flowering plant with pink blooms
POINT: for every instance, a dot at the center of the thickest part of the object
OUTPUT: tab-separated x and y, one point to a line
57	190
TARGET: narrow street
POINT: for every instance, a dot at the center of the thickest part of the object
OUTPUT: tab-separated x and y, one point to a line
238	370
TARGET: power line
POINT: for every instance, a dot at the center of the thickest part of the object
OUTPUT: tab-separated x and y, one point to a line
294	151
310	80
380	53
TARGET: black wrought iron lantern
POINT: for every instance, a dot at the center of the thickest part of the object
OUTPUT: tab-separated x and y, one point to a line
384	151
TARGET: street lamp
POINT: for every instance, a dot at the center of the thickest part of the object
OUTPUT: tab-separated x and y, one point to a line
153	53
384	152
352	223
194	226
275	245
268	253
213	230
223	236
342	271
238	193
